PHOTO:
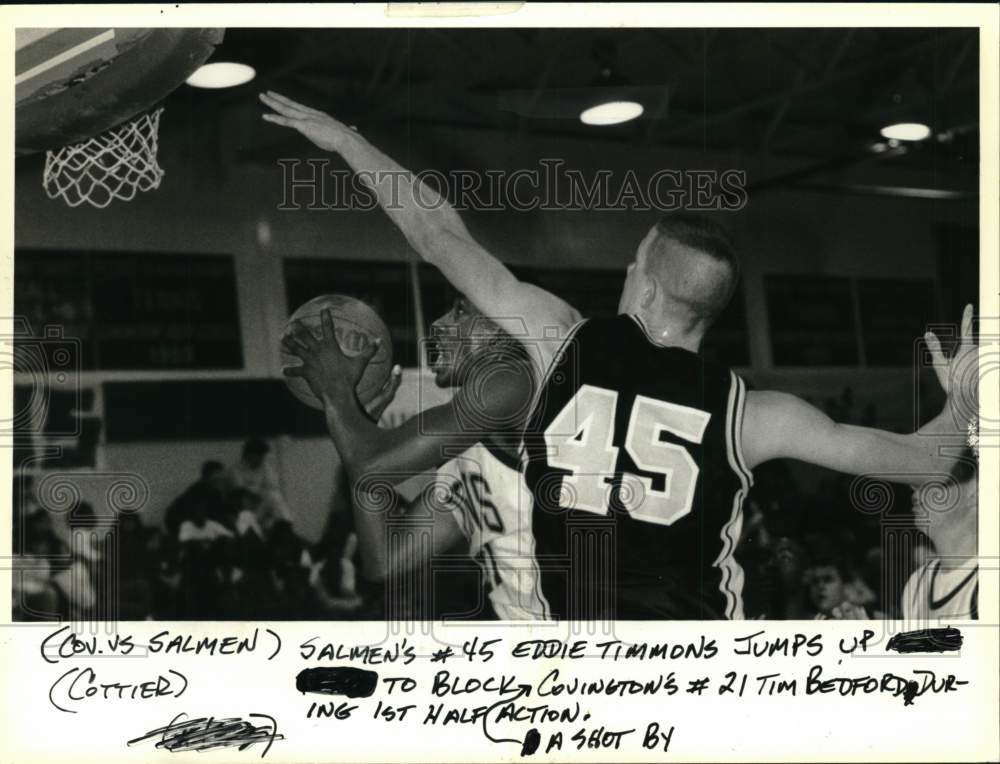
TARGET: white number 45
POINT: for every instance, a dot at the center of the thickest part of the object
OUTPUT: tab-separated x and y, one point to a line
580	440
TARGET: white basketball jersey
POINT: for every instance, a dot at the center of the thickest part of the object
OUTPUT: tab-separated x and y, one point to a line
493	508
942	589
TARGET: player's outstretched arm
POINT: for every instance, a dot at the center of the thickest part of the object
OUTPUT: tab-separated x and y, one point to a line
432	226
781	425
499	404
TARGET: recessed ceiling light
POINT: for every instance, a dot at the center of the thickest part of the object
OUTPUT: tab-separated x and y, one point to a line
221	74
906	131
611	113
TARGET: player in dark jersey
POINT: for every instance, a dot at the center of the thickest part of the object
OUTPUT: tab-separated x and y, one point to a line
638	458
628	434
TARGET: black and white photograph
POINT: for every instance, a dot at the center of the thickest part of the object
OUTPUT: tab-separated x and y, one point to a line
332	326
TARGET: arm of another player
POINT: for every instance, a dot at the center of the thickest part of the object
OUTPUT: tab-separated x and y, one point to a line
432	227
498	405
781	425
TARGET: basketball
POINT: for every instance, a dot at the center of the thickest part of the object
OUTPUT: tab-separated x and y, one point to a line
356	324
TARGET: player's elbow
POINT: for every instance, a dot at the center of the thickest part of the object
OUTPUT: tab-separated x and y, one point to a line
370	509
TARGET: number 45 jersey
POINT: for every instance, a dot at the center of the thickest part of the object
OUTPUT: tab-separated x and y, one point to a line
633	459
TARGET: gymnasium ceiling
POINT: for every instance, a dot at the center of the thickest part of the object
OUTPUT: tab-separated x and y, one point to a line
815	97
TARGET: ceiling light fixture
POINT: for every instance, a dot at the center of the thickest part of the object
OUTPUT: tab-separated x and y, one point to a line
221	74
906	131
612	113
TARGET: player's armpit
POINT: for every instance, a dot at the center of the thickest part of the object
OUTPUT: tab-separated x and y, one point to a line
780	425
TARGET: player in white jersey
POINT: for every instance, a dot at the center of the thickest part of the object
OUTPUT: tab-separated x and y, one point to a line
946	586
478	498
492	507
483	486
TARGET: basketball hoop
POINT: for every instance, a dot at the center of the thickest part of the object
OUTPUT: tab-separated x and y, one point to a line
116	164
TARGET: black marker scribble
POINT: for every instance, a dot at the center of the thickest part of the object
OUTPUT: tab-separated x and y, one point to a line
531	741
926	641
337	680
209	733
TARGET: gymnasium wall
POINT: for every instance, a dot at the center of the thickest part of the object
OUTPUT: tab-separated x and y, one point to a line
231	207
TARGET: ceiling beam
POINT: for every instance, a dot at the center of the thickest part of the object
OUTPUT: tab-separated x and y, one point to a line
956	65
662	110
899	192
777	98
384	59
523	124
800	77
837	163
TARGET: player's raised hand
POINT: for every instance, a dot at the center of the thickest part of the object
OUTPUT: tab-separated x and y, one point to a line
332	375
323	130
959	375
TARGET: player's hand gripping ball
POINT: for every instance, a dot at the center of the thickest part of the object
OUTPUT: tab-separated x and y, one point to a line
356	326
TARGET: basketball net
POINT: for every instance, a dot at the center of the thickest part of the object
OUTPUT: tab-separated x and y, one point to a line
113	165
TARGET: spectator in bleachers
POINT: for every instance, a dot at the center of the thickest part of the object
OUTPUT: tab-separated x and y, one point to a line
136	575
253	473
35	594
244	507
203	558
210	489
828	580
250	554
22	505
789	564
199	528
872	572
87	553
291	567
162	555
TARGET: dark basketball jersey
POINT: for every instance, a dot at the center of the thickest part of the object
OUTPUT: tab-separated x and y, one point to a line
633	460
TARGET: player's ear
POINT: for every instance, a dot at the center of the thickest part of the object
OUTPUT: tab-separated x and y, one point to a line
647	294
